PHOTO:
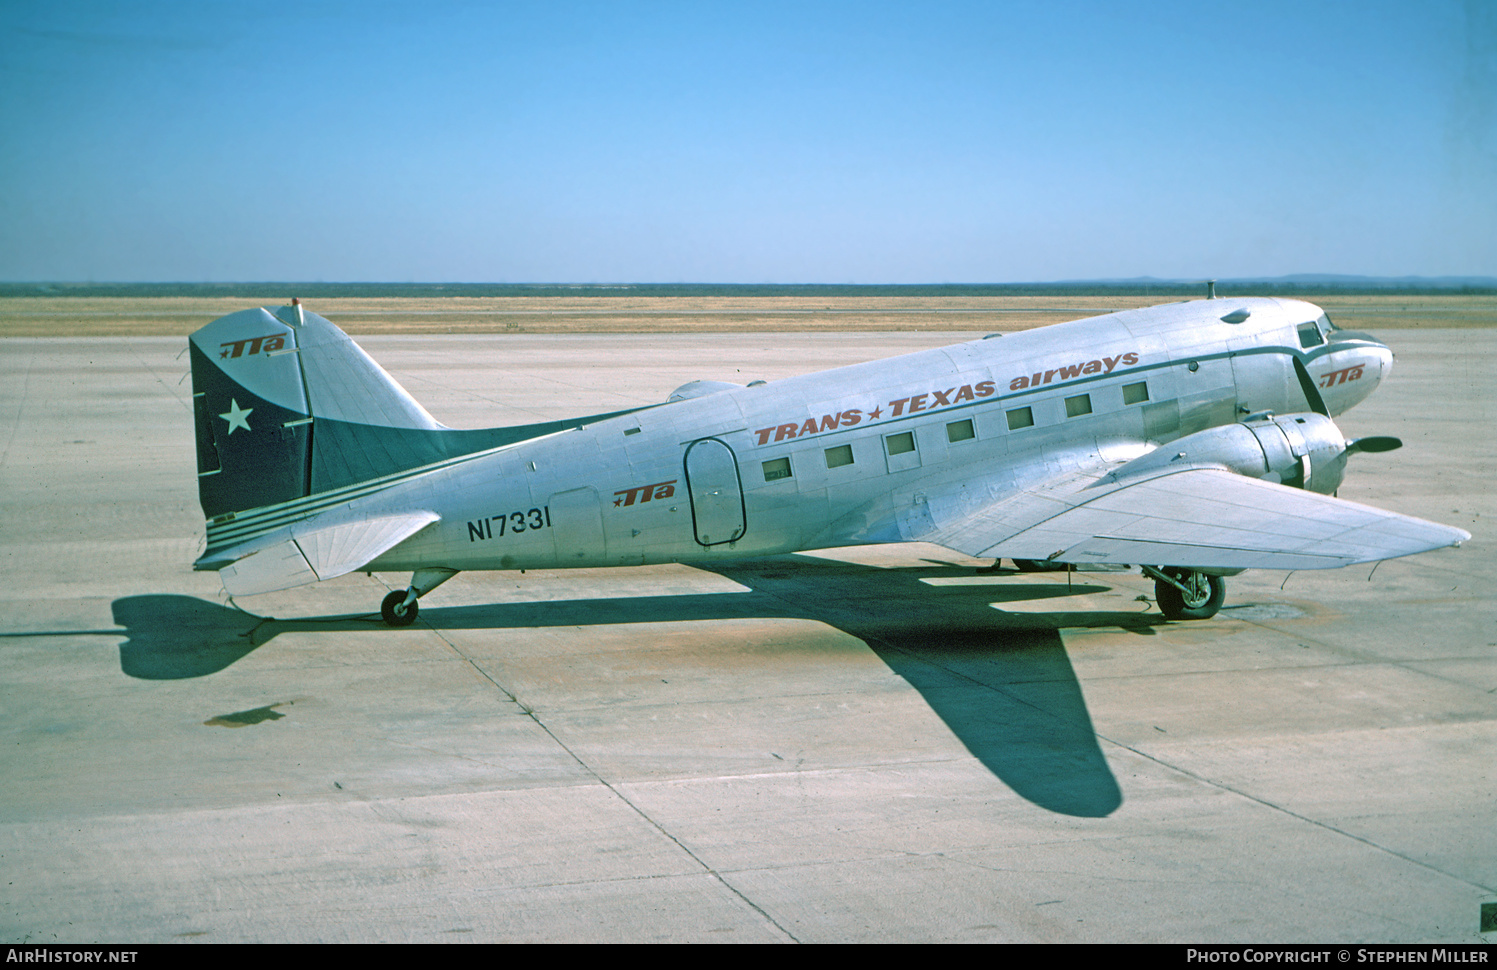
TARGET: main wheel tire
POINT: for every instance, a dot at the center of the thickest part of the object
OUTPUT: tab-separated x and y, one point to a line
1038	566
1206	596
394	613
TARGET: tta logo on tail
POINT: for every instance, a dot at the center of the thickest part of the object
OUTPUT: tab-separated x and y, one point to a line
265	344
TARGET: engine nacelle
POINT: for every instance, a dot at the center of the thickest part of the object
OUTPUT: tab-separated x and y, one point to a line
1300	450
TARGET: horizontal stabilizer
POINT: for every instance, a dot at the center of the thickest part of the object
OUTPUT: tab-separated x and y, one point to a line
1203	517
320	551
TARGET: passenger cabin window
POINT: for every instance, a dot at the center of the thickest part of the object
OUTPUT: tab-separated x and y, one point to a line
1309	335
776	469
1136	393
1020	418
900	444
960	431
839	456
1078	405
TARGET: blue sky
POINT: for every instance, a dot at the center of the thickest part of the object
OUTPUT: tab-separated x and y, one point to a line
753	142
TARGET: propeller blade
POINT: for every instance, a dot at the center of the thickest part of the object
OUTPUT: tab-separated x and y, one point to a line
1374	444
1307	384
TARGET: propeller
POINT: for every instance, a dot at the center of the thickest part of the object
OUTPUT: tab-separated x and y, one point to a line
1374	444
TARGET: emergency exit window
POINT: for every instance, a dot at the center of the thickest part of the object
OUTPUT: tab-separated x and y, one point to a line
900	444
1136	393
1078	405
1020	418
960	431
839	456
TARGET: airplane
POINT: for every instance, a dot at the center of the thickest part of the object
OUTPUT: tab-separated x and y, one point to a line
1192	441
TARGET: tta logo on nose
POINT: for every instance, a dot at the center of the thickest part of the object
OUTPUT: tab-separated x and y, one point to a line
1342	376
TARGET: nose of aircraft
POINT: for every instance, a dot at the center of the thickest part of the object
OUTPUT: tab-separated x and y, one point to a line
1351	369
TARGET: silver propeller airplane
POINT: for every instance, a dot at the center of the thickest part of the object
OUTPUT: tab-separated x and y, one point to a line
1193	440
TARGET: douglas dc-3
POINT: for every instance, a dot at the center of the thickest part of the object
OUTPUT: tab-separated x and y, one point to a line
1193	441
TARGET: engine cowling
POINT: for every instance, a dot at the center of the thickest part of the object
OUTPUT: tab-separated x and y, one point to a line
1300	450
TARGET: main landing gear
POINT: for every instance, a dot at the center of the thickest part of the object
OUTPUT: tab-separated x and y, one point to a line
1187	594
1182	594
400	608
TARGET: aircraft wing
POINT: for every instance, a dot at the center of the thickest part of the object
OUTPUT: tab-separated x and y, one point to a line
1202	517
320	551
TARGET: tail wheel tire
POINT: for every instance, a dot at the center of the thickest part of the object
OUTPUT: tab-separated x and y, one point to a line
397	615
1206	595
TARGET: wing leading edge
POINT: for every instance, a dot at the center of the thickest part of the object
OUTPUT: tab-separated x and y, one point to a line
1198	517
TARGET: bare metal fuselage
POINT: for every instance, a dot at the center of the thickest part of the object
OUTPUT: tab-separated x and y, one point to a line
859	454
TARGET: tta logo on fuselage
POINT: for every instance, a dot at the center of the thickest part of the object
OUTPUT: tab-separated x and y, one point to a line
643	493
1343	375
256	345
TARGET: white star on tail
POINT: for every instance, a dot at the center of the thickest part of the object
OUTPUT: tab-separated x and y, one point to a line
237	418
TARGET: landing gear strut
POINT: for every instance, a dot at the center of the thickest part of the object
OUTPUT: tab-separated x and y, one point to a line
1187	594
400	607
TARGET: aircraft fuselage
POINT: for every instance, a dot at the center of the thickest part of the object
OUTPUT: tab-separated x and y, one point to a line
857	454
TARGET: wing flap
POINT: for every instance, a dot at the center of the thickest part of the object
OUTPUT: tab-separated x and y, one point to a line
320	550
1205	517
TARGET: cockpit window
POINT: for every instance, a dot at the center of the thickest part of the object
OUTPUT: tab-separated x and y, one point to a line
1309	335
1326	325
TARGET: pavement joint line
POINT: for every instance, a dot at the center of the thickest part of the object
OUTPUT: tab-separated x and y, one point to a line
175	390
15	423
613	789
1223	786
1357	658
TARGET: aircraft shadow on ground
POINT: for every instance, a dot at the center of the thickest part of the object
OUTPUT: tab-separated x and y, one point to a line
1001	681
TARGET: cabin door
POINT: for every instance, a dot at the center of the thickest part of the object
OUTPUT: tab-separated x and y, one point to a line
716	492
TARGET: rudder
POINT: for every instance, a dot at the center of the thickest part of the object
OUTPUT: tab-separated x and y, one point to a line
254	434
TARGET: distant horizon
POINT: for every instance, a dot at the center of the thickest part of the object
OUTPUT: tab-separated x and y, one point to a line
1323	284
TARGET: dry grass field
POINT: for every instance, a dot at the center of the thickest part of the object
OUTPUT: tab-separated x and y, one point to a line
47	316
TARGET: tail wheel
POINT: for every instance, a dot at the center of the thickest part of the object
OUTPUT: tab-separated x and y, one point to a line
395	612
1202	597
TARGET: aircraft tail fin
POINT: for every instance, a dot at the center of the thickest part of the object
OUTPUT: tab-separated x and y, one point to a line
295	420
286	405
